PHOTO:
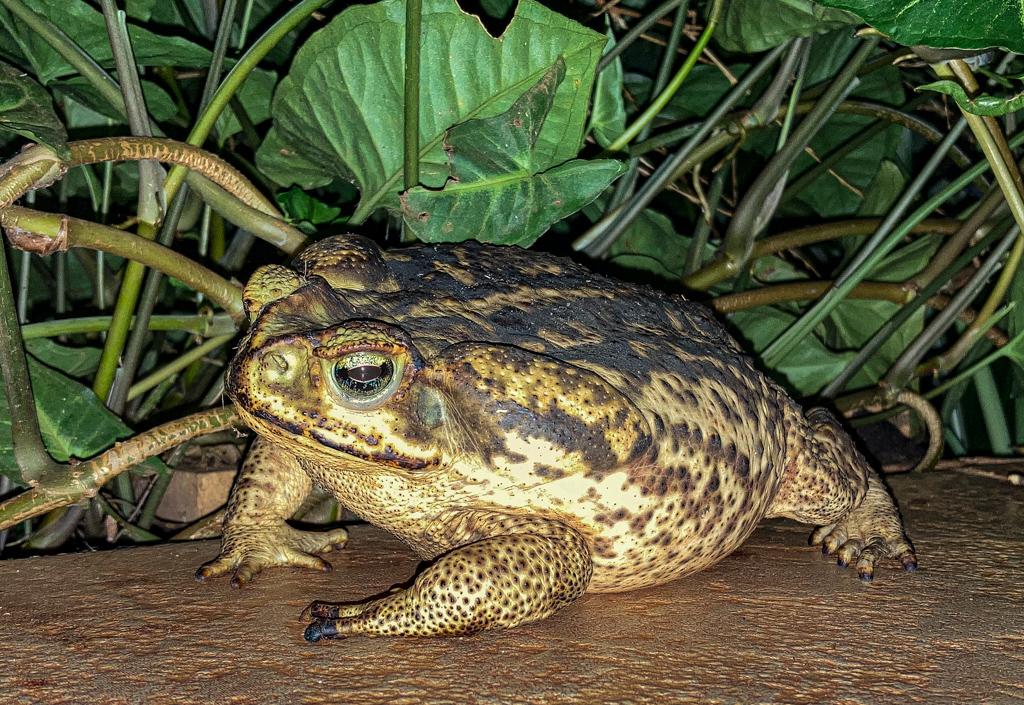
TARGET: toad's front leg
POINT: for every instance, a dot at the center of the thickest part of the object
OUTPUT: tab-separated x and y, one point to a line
269	489
496	583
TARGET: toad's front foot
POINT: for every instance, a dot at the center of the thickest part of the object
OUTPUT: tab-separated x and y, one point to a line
248	549
870	533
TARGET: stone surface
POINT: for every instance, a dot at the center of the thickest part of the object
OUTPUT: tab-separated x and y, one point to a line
774	622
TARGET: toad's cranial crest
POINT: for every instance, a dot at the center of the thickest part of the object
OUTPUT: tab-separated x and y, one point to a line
534	429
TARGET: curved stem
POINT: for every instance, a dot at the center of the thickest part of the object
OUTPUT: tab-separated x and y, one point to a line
807	290
719	271
68	484
118	149
627	182
44	233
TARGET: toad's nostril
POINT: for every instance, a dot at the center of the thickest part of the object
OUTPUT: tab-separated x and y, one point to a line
280	362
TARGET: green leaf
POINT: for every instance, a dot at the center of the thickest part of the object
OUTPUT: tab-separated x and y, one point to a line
300	206
651	244
341	105
885	189
807	369
73	420
84	107
26	109
955	24
255	96
76	362
752	26
86	27
284	165
700	94
608	114
982	105
497	191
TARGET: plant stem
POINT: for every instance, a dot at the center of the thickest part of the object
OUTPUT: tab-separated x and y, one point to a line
970	229
627	183
665	96
42	232
880	244
992	412
236	76
837	385
33	459
180	363
718	270
748	219
413	24
807	290
71	484
903	370
635	31
602	234
204	325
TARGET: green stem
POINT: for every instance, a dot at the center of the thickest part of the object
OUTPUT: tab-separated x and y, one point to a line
992	412
180	363
695	255
29	451
233	81
867	351
658	104
905	368
883	241
627	183
750	216
634	33
38	232
413	24
602	234
206	326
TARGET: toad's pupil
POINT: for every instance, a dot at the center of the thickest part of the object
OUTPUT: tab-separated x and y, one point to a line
364	373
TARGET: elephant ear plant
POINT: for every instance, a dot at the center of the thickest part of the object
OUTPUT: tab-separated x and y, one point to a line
764	156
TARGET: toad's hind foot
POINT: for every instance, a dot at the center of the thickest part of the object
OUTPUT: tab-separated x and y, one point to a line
870	533
496	583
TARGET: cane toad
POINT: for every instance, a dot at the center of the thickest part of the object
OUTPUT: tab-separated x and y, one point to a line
534	429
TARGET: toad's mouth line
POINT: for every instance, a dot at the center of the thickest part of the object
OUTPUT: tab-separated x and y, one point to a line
386	456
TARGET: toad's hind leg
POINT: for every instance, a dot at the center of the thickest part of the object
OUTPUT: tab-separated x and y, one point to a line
829	482
496	583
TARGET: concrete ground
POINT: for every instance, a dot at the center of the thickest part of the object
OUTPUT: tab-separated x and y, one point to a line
774	622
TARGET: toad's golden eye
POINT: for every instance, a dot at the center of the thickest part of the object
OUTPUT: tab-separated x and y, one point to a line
364	380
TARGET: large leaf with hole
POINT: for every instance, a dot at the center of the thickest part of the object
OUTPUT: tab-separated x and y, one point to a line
341	106
960	24
498	188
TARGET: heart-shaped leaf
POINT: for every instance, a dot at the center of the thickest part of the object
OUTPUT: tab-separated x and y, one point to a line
497	191
341	106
